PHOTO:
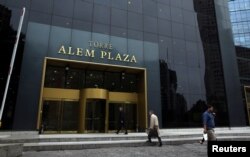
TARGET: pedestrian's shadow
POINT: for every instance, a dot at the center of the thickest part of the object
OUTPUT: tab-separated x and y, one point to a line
151	143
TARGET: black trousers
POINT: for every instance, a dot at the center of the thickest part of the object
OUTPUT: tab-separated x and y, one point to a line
154	133
120	126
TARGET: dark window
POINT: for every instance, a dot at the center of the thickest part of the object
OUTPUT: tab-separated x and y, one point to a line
63	8
150	8
135	35
135	21
121	4
128	82
42	6
176	15
164	27
112	81
135	6
61	21
83	10
119	18
150	24
101	14
164	11
40	17
55	77
82	25
94	79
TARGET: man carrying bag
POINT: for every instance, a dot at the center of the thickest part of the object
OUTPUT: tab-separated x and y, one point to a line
154	128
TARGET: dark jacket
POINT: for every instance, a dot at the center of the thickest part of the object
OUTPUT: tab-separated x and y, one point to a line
121	117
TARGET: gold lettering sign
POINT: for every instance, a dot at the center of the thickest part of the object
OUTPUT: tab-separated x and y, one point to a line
105	53
100	45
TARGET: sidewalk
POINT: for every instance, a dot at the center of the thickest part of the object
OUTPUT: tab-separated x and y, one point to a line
163	132
32	141
185	150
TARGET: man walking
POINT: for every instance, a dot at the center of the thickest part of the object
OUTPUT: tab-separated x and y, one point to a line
121	121
208	123
154	128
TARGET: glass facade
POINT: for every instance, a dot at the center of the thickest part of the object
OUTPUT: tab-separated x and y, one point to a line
76	78
240	20
176	41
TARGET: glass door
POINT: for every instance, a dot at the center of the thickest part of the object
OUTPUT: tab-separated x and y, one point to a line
95	115
130	115
60	116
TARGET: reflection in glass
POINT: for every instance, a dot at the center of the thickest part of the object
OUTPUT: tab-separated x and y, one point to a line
74	78
119	18
94	79
101	14
135	21
55	77
60	115
83	10
42	6
60	8
214	75
176	110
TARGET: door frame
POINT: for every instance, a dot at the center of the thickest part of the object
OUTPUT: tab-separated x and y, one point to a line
60	118
81	95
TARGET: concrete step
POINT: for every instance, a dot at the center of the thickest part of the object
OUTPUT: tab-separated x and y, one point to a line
103	137
77	145
34	142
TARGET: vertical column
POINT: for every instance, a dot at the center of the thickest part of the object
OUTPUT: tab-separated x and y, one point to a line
142	101
40	108
107	116
82	110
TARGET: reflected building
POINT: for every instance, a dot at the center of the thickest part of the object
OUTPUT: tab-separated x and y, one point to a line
174	104
240	19
216	34
82	63
214	77
7	41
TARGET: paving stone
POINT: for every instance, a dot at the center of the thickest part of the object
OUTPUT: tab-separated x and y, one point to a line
11	150
185	150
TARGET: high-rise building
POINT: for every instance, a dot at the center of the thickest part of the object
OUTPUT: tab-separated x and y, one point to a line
83	59
240	20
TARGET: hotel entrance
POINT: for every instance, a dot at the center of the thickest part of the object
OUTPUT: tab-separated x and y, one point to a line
83	97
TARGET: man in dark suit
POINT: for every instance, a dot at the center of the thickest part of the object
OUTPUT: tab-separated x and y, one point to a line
121	121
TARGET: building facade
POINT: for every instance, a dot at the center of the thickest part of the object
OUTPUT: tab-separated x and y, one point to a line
83	59
240	19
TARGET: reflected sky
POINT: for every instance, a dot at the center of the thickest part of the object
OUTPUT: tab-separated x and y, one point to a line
240	18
